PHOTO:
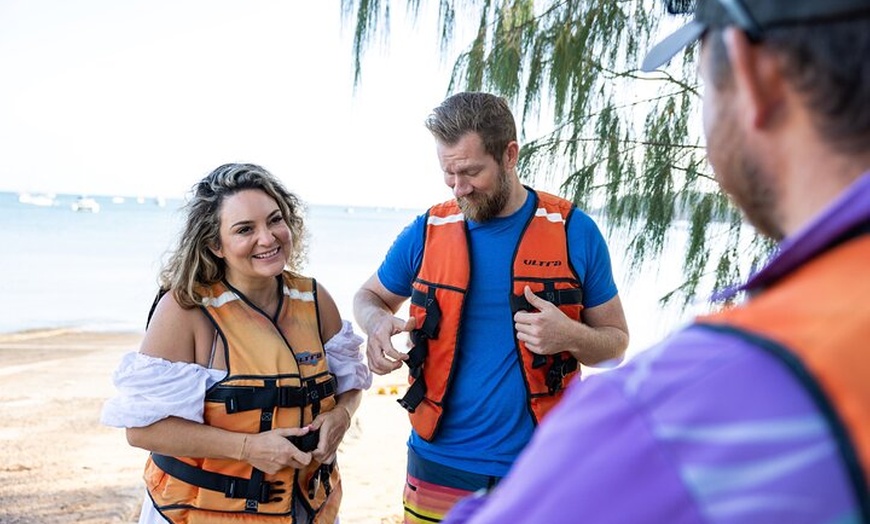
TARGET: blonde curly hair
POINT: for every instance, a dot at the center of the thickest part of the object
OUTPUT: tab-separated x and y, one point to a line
191	266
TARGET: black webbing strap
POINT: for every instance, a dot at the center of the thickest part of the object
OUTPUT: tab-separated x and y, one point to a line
232	487
561	367
252	497
160	293
315	395
428	302
538	360
558	297
420	350
415	394
321	476
416	358
307	442
246	398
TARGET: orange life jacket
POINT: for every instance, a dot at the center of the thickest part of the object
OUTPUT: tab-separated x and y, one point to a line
541	262
277	376
817	322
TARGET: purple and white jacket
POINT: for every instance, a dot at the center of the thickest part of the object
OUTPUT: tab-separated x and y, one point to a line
703	427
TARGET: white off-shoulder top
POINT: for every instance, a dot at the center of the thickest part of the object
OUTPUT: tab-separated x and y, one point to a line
151	389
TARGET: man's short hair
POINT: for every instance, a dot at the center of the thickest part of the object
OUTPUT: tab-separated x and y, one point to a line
486	114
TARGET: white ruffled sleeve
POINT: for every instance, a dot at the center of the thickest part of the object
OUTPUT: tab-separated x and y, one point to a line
151	389
345	360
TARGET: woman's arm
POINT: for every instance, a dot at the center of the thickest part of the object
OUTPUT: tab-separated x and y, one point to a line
181	335
269	451
334	424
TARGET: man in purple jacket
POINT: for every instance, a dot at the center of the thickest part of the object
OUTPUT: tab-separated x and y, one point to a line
761	413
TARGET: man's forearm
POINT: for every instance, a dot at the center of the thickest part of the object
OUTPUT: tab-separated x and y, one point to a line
369	310
595	345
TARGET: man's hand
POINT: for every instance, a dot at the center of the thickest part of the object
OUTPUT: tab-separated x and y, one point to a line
547	331
383	357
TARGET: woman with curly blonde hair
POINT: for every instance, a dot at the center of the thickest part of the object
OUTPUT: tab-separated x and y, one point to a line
247	377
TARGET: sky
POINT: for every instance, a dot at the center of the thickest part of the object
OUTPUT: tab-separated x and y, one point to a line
130	98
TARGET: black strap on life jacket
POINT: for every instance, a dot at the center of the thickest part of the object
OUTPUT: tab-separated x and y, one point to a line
232	487
246	398
307	442
255	489
416	357
561	365
429	302
321	476
420	349
557	297
157	297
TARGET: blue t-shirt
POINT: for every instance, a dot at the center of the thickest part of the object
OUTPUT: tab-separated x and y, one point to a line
486	422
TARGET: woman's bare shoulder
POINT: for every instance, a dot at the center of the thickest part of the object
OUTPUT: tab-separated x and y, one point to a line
174	331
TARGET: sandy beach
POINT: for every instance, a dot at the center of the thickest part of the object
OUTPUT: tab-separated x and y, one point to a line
59	465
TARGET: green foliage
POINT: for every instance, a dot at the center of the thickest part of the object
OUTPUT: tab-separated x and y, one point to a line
626	145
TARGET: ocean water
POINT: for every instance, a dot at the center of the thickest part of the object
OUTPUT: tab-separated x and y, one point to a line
63	268
97	271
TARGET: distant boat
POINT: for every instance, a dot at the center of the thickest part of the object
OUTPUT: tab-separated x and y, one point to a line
86	205
37	200
118	200
160	201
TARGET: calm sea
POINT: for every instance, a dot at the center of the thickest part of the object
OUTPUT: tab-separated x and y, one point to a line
63	268
97	271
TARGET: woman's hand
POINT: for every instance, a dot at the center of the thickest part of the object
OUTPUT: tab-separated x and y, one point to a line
271	452
333	424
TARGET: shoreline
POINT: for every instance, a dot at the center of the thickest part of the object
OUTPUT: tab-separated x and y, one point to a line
59	464
44	332
37	332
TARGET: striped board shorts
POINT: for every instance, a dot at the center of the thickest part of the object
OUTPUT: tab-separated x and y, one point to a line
432	489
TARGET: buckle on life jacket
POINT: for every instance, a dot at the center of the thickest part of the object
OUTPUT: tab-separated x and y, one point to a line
307	442
321	476
261	491
420	350
268	490
557	297
247	398
558	371
416	357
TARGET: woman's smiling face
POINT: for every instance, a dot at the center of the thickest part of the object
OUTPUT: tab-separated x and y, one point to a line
255	241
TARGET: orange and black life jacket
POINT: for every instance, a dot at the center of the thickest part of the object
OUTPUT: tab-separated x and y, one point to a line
277	377
816	321
541	262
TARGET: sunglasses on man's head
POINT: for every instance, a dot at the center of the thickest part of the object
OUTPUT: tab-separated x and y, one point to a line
737	12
